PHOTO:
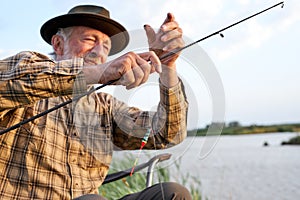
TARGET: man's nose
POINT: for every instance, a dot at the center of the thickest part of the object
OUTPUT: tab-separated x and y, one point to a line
99	51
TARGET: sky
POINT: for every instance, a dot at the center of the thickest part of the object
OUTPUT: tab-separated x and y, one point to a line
255	68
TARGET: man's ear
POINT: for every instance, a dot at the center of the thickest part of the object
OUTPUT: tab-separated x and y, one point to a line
57	44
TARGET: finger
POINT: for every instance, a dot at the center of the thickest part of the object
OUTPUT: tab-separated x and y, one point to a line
154	61
169	26
146	69
127	78
137	72
170	17
138	76
176	33
150	33
174	44
123	67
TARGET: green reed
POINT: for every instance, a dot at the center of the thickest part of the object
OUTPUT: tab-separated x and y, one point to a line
137	182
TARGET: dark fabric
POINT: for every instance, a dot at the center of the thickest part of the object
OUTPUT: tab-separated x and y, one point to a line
165	191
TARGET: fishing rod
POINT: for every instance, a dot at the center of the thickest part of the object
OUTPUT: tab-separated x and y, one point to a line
56	107
219	32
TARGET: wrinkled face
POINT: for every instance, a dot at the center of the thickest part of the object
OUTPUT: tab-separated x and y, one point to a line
87	43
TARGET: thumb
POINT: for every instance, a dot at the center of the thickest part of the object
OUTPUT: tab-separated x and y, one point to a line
150	33
170	17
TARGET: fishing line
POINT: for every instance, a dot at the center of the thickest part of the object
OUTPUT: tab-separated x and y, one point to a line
219	32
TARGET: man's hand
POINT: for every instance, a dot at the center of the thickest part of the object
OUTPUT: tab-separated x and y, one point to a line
131	69
168	38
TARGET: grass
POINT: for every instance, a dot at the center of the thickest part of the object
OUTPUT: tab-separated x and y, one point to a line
293	141
137	182
252	129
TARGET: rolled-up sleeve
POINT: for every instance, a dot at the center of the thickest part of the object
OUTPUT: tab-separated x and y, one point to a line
171	117
168	124
29	76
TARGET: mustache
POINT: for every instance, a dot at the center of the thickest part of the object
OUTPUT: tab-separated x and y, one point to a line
92	58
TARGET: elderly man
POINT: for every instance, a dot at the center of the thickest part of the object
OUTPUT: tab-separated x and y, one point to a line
66	154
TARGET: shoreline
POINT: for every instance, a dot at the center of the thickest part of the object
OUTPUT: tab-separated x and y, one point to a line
236	129
252	129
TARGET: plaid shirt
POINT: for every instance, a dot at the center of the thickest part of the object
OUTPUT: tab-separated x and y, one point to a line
67	152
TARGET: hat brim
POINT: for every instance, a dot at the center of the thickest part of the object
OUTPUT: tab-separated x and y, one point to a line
118	34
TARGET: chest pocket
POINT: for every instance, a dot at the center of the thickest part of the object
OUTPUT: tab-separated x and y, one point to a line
93	128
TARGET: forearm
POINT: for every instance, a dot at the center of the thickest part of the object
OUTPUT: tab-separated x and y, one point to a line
92	74
168	77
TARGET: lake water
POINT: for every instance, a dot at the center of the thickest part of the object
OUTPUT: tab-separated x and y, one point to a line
238	167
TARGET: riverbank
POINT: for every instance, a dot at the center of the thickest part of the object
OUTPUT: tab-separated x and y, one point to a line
236	129
292	141
252	129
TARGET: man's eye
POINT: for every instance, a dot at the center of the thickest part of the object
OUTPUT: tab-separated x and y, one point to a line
90	39
106	47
